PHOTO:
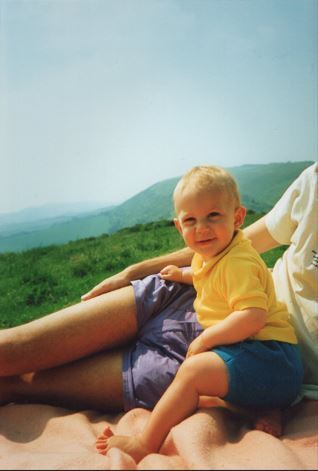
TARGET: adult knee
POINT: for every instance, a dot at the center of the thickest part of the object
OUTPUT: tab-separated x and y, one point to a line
7	345
10	341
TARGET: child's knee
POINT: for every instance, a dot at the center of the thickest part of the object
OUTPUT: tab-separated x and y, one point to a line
188	369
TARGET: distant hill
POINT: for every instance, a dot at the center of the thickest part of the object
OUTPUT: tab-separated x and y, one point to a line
51	210
39	217
261	185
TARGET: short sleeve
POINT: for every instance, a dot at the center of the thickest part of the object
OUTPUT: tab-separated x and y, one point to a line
283	219
243	284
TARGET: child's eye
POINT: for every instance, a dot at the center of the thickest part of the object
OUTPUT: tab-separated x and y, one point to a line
189	221
213	215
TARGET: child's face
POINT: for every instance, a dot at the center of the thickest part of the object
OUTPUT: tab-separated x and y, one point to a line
207	220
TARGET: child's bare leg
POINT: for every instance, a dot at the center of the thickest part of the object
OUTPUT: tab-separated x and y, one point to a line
202	374
69	334
269	421
208	402
94	382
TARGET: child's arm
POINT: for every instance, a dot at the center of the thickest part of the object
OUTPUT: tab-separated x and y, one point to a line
174	273
238	326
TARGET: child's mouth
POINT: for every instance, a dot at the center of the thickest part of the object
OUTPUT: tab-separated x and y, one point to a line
205	241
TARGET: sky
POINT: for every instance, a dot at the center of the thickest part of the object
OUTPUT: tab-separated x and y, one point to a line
99	99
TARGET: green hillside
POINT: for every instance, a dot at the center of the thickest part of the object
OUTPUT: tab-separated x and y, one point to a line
39	281
260	186
266	183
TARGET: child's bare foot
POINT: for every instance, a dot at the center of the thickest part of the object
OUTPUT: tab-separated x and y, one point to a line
133	446
101	440
269	422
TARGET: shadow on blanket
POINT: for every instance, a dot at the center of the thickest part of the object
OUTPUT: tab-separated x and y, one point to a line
36	436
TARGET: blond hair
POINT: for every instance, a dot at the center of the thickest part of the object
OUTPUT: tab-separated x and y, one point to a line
208	178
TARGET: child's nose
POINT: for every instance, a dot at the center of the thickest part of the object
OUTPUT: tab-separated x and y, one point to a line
202	226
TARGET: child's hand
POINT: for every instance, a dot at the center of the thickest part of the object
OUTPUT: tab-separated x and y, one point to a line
197	346
171	273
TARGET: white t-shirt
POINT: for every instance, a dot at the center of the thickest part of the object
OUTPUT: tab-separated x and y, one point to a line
293	221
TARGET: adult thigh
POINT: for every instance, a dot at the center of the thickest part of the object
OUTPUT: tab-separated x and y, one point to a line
74	332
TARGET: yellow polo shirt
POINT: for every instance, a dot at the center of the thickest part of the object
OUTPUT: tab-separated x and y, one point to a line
238	279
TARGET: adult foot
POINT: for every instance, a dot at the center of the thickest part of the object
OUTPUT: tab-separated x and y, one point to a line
269	422
6	394
133	446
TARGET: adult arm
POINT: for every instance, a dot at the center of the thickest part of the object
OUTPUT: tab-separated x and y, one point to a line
260	236
139	270
256	232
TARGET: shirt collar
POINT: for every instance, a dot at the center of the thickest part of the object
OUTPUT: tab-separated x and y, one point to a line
201	267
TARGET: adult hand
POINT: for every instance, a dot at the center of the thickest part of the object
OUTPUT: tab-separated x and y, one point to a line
112	283
138	271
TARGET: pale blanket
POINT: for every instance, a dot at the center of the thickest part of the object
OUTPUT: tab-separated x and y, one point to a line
44	437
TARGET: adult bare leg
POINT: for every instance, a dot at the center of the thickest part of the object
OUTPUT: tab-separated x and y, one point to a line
94	382
69	334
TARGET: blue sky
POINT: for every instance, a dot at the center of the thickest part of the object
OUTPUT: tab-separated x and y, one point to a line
102	98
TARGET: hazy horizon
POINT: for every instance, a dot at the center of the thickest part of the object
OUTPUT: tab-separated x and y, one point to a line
103	98
84	205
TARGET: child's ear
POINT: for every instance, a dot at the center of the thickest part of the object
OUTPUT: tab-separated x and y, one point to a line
178	225
239	216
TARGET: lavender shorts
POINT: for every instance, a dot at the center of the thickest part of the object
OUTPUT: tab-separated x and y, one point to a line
167	324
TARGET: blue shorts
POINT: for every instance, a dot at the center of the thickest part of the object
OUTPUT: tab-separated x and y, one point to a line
266	374
167	324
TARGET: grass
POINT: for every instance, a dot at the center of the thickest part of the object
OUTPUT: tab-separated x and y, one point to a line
42	280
